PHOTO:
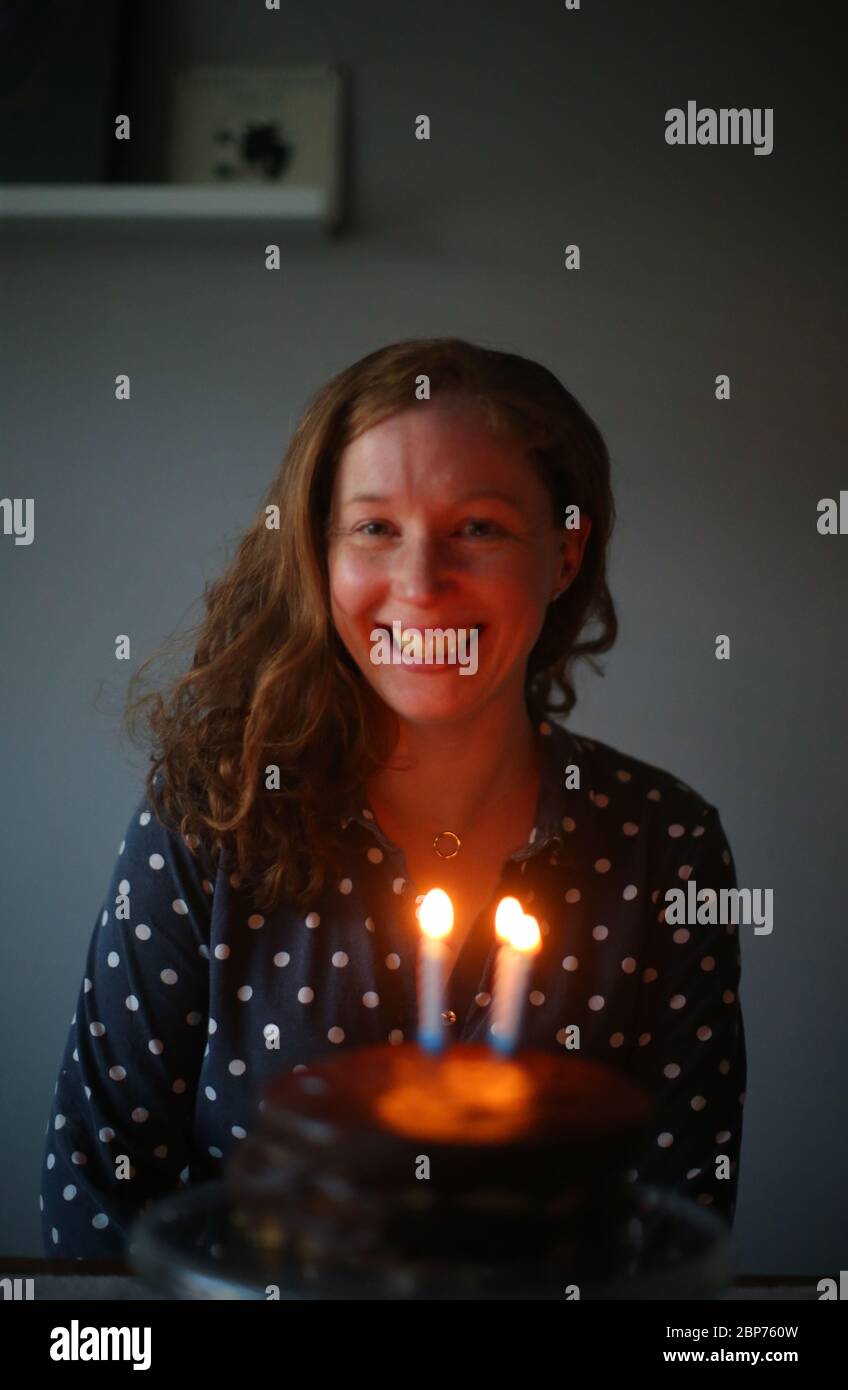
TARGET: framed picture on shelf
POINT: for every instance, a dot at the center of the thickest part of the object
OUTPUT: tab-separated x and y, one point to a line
256	126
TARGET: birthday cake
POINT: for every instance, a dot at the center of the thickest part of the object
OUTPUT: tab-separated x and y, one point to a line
398	1169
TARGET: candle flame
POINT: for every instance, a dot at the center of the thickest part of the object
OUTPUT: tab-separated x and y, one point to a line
525	935
508	915
435	914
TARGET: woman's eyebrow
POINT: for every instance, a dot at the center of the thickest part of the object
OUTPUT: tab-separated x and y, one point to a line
494	494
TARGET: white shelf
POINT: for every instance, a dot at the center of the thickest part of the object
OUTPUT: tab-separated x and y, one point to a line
154	201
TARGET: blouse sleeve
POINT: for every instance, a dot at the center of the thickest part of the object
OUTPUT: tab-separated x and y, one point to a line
120	1123
691	1038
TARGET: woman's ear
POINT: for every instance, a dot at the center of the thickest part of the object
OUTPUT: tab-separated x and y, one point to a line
573	546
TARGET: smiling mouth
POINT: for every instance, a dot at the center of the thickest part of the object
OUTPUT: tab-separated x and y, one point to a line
448	646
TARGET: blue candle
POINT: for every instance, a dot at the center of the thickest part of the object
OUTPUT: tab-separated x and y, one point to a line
435	916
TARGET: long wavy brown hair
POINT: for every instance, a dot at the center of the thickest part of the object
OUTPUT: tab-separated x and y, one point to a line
271	685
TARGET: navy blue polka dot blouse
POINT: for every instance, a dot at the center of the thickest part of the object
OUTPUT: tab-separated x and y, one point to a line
188	1004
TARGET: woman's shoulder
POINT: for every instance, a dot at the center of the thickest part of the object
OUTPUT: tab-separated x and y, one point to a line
658	813
610	775
155	843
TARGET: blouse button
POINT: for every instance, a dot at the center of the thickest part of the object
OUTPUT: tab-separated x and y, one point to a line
448	1017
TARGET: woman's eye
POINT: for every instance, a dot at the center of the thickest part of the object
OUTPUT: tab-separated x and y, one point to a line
378	529
490	527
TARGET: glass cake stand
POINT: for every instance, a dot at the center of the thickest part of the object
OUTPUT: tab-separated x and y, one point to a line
187	1247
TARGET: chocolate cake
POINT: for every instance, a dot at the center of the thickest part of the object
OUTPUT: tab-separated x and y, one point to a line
409	1170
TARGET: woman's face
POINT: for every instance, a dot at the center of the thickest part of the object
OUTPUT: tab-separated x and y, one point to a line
436	524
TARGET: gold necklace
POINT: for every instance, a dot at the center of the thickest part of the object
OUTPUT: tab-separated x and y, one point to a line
447	854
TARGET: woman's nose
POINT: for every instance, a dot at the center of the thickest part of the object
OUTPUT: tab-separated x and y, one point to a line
421	568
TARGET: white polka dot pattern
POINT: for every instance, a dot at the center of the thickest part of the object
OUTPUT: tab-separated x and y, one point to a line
192	1002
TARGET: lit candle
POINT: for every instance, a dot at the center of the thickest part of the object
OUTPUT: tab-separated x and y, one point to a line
520	940
509	912
435	916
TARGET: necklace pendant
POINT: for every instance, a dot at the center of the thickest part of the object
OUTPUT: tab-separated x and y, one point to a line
442	835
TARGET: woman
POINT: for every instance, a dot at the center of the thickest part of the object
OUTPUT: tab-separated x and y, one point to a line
306	791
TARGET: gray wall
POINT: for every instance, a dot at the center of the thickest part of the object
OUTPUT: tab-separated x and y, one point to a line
547	129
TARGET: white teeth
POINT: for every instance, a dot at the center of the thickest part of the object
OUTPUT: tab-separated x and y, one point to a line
406	640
